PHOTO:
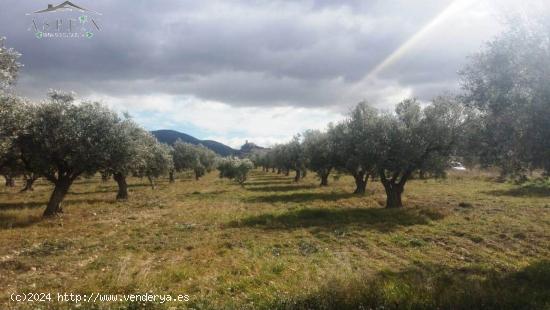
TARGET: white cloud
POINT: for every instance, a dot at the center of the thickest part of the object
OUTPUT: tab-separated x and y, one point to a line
266	53
224	123
261	71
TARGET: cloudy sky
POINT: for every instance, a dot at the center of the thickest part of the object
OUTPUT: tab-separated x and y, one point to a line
258	70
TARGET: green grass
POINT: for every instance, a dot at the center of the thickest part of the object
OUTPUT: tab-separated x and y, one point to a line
460	243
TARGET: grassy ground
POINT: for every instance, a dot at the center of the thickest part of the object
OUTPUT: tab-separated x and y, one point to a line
464	242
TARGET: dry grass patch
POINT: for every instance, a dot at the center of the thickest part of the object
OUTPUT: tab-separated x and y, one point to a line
277	244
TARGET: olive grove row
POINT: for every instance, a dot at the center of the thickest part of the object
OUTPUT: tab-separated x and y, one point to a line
500	119
62	141
369	143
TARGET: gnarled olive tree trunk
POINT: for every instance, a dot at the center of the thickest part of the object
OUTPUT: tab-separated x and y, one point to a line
120	179
171	176
10	181
298	175
393	194
323	174
29	182
324	179
394	187
105	176
151	181
54	204
361	179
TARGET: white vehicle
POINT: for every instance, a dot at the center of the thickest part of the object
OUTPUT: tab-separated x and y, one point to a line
455	165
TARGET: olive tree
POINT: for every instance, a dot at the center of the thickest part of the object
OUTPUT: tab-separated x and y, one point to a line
63	141
260	159
235	169
288	156
13	117
296	157
185	157
507	82
281	158
12	113
197	158
354	143
320	151
10	169
157	160
207	159
129	156
416	138
268	160
9	66
13	166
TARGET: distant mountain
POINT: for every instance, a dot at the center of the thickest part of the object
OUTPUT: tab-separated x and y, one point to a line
219	148
171	136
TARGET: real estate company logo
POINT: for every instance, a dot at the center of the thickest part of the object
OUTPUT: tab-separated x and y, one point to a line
66	20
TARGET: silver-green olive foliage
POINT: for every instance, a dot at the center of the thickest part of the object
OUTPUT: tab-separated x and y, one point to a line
321	153
261	158
64	140
289	156
508	82
13	117
281	157
9	66
296	156
266	159
354	142
207	160
196	158
414	139
12	108
130	157
157	160
235	169
132	149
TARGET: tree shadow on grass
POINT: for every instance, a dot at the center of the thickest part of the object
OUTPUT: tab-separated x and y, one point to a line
267	175
143	185
284	188
274	182
8	221
429	286
383	220
302	197
107	189
524	191
104	190
21	205
105	200
84	181
202	195
42	204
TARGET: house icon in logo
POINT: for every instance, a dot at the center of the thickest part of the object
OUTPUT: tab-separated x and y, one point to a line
66	20
65	6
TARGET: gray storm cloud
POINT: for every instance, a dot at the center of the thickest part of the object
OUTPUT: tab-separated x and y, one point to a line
245	53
